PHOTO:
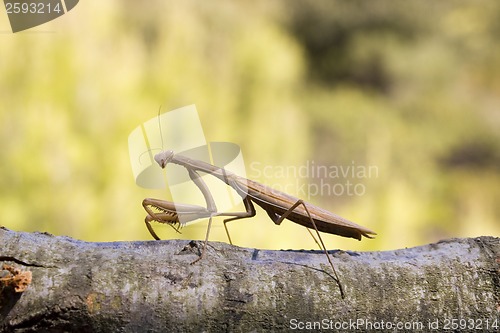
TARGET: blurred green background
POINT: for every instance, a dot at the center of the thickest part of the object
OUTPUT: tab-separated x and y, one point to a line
410	87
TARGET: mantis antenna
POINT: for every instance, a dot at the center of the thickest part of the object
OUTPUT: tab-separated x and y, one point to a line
159	126
161	137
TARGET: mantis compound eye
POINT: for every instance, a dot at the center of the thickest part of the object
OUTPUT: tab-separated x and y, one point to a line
162	158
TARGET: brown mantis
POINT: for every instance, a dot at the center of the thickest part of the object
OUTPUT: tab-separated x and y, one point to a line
278	205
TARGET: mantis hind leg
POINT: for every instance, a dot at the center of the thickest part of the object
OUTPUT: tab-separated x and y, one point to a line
280	219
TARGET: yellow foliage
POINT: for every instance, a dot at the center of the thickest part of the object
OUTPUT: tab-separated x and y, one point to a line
74	88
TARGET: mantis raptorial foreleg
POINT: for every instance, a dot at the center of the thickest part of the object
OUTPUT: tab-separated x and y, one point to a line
174	214
170	213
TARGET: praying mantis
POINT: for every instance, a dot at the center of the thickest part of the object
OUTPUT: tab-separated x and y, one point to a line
278	205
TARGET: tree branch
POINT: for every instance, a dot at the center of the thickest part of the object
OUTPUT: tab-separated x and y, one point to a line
151	286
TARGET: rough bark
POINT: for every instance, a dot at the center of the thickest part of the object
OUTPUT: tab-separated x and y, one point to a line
151	286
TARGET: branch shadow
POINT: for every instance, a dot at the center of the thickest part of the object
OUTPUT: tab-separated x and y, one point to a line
8	299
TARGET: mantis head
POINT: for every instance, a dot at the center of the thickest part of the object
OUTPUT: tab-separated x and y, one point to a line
164	157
